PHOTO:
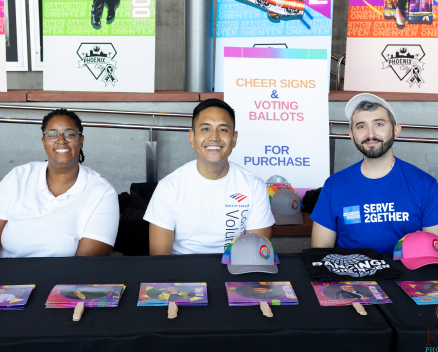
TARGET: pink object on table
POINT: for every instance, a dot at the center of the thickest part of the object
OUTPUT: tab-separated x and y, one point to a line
417	249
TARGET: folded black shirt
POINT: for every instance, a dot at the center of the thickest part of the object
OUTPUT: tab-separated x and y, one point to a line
341	264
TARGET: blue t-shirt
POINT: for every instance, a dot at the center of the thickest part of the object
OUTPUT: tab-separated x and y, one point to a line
376	213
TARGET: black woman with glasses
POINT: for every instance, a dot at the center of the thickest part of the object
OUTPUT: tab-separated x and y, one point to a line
57	208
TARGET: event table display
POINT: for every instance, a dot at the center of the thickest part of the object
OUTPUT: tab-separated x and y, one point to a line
422	292
14	297
349	292
400	325
183	294
68	296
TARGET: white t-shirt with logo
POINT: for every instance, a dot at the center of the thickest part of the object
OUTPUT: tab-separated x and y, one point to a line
42	225
206	215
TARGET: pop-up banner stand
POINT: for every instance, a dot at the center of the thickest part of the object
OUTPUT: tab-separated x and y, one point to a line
3	85
281	104
99	45
383	56
304	24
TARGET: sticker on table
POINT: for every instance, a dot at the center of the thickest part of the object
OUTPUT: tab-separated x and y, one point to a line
349	292
183	294
253	293
422	292
68	296
14	297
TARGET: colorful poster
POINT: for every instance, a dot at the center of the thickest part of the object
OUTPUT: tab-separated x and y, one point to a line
3	84
280	114
14	297
390	50
349	292
68	296
422	292
252	293
272	24
183	294
99	45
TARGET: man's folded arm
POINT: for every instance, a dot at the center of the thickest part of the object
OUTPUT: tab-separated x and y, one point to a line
431	229
2	226
265	232
160	240
322	237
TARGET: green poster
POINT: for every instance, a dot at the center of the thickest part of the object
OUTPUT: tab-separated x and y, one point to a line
99	18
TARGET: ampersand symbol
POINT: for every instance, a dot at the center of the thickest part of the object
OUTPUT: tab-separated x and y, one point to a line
274	94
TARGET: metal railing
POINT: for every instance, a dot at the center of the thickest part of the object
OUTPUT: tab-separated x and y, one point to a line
340	61
180	128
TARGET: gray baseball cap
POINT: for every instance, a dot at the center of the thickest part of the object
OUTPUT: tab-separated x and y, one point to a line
354	102
285	206
251	253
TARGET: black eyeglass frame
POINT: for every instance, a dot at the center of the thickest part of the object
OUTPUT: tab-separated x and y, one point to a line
61	134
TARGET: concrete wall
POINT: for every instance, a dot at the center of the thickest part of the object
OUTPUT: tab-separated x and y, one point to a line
120	156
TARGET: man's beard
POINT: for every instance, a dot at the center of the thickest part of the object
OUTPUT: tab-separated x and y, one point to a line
375	152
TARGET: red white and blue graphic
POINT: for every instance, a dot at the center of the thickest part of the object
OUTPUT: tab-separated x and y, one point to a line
238	196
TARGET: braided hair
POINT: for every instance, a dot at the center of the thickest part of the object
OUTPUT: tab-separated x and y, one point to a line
73	116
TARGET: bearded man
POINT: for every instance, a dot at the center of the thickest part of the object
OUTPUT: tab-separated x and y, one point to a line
377	201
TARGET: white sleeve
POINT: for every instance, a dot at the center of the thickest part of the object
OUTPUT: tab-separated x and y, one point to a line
8	189
261	215
160	208
104	222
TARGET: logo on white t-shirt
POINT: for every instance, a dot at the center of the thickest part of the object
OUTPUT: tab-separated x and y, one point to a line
238	196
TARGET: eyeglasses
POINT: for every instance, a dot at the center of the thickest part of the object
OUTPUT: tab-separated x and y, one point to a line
53	136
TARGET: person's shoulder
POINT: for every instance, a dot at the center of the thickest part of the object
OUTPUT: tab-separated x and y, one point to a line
339	178
33	167
347	172
95	180
242	172
415	173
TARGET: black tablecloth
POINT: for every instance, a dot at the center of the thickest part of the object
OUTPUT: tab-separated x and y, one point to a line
409	320
216	327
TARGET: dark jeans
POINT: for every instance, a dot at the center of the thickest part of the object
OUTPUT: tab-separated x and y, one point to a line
108	2
401	4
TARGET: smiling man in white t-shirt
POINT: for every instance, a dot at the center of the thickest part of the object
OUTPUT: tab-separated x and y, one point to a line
202	206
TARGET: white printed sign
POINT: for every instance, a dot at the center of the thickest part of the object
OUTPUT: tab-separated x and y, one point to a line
281	114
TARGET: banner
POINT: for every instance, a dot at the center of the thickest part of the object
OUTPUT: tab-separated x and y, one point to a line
385	57
281	114
272	24
99	45
3	84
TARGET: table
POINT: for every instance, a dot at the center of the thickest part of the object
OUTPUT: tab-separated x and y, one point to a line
409	320
217	326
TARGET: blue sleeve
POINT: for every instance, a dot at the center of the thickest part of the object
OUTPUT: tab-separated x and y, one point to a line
322	213
430	210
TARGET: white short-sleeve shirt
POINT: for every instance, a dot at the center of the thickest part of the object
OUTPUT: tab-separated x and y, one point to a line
206	215
41	225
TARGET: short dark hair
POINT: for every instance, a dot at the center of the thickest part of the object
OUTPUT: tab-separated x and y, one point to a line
213	103
366	105
73	116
